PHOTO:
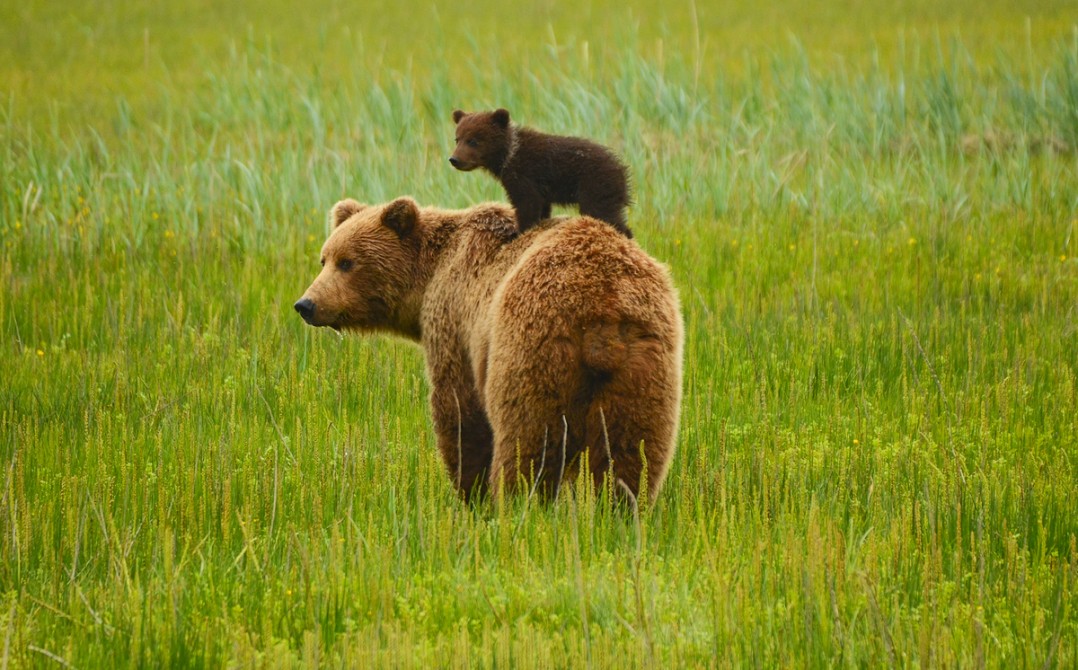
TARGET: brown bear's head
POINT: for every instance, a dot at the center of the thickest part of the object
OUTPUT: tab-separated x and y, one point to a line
368	275
483	140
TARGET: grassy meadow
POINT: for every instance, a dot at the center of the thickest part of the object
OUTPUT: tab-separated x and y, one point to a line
871	213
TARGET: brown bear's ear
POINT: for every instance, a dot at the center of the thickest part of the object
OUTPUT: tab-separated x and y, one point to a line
343	211
458	115
501	117
400	216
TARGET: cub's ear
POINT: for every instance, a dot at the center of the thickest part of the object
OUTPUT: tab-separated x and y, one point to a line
458	115
343	211
501	117
400	216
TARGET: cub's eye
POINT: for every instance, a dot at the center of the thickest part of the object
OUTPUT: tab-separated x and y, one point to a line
472	143
322	262
344	265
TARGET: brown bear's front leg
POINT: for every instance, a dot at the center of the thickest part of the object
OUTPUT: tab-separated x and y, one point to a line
528	203
465	439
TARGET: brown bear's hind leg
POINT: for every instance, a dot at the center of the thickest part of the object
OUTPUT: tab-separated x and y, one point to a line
624	447
535	410
609	208
534	459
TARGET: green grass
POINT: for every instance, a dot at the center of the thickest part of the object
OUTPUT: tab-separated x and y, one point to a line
871	215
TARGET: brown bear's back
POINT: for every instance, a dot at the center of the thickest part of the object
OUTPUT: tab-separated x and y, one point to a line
584	271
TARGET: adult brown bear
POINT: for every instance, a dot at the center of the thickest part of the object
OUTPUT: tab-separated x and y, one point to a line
540	347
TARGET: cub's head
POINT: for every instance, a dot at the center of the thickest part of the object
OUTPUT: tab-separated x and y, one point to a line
369	269
483	140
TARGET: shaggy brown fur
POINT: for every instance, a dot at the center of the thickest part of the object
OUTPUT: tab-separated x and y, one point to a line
538	170
539	347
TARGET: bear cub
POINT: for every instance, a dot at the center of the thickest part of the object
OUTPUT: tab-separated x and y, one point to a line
538	170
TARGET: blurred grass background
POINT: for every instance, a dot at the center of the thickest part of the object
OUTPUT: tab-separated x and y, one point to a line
869	209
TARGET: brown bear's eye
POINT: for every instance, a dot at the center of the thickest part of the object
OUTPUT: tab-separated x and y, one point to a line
344	265
322	261
472	143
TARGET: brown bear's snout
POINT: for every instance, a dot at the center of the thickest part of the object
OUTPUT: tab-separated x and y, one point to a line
465	158
462	164
305	307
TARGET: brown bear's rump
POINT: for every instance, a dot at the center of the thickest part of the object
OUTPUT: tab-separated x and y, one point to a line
592	325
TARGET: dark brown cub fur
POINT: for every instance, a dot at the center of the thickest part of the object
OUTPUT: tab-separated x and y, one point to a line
538	170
